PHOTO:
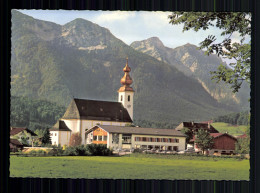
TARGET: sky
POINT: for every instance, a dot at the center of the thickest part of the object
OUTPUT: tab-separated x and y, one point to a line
130	26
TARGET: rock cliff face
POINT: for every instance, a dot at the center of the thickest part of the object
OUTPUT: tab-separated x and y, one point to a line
194	63
81	59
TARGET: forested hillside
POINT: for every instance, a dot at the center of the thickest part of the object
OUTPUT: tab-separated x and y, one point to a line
34	114
234	118
81	59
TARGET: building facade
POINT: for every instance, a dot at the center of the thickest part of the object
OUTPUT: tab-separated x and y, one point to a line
122	137
22	134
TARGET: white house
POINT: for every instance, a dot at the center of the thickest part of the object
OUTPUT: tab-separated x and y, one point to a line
122	137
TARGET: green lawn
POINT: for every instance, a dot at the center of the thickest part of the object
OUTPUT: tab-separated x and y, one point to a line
135	166
231	129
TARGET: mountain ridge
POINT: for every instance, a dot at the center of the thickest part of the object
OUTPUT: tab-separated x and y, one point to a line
192	61
56	70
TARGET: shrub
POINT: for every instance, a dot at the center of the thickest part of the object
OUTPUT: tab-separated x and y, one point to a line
81	150
98	150
70	151
33	152
57	150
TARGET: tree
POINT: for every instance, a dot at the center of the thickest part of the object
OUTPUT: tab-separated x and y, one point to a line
189	134
243	145
229	23
75	139
203	140
46	139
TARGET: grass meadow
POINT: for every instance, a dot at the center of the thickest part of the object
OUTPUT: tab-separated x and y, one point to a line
231	129
134	166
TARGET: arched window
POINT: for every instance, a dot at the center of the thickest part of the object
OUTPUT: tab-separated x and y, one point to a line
121	97
128	97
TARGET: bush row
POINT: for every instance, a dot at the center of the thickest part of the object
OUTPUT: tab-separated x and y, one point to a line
81	150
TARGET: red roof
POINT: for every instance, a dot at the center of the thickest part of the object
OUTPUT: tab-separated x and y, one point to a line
15	130
216	134
15	142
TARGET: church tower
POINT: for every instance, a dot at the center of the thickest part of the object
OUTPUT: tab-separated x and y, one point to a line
126	92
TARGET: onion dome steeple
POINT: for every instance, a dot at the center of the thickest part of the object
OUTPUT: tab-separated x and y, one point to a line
126	81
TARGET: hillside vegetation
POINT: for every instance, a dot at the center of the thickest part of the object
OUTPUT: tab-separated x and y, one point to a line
34	114
81	59
235	130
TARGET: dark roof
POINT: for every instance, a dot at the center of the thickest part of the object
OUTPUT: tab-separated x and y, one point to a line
15	142
216	135
138	130
193	125
97	110
60	126
16	130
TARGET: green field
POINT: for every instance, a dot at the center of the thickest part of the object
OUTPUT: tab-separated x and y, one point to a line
231	129
135	166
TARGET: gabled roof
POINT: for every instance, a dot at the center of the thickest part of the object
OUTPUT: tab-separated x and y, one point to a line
15	142
97	110
217	135
60	126
193	125
138	130
16	130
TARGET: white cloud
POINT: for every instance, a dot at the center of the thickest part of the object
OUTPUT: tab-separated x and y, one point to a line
114	16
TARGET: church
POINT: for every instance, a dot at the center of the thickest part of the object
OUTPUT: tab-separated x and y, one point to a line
105	122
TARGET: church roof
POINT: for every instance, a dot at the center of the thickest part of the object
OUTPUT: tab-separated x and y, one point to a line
139	130
60	126
97	110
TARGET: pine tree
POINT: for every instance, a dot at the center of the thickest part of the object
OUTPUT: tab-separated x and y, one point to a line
46	139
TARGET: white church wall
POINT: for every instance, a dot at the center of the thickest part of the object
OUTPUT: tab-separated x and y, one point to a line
64	137
73	124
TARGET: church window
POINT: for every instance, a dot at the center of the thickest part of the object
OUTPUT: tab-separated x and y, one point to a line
55	134
128	97
51	134
95	138
100	138
104	138
121	97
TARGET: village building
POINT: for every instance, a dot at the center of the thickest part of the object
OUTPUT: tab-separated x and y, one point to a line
15	145
83	114
224	144
122	137
105	122
22	134
194	127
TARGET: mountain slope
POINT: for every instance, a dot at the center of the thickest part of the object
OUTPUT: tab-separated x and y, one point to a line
81	59
194	63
